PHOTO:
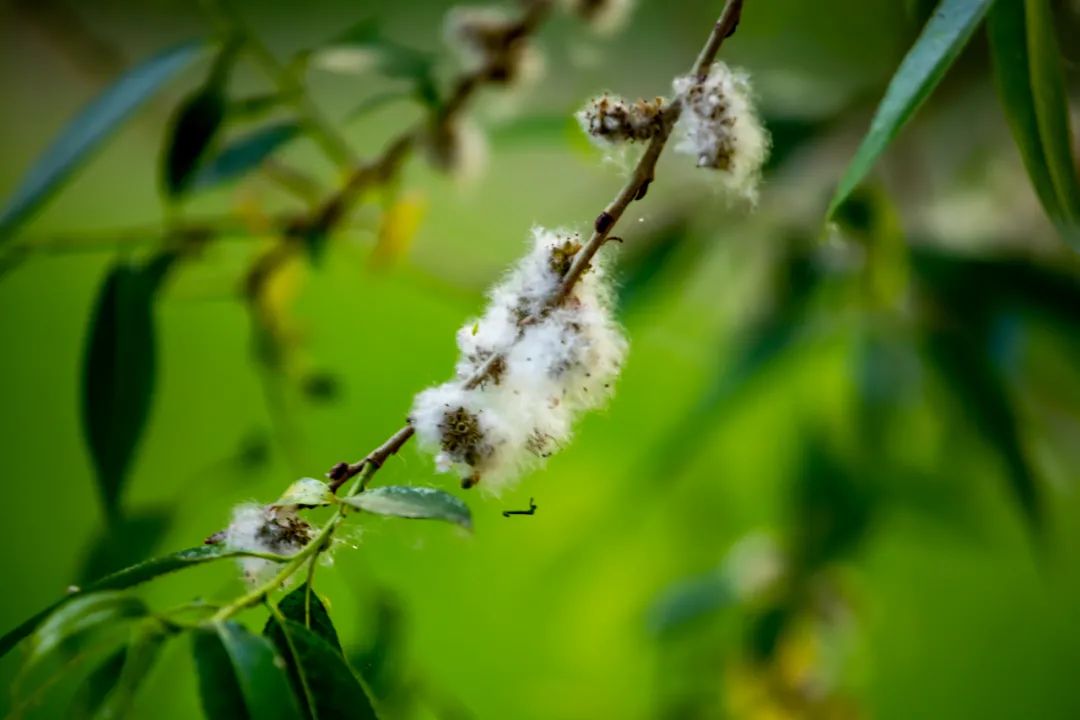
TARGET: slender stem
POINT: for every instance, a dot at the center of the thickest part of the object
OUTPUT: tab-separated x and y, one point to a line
308	553
635	189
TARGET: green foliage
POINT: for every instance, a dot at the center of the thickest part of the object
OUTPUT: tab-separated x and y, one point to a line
303	606
123	579
241	676
110	690
87	131
941	41
420	503
321	679
119	371
1027	66
244	154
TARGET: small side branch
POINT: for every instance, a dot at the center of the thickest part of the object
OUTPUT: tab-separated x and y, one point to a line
635	189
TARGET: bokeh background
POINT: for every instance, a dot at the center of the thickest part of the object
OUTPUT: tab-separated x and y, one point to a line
837	479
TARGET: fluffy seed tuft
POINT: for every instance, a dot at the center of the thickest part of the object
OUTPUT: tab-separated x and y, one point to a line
720	128
611	120
266	529
545	366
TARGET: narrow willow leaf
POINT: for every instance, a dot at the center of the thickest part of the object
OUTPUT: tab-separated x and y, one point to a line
81	616
1007	28
413	502
1027	65
941	41
90	128
1051	106
244	155
304	607
240	676
194	127
307	491
958	343
123	672
980	396
320	677
125	578
118	373
98	685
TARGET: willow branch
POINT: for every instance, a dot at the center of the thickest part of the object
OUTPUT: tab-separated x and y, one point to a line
387	164
635	189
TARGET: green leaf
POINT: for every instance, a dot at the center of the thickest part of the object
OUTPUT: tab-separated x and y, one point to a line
111	688
98	685
244	154
194	127
125	578
1027	65
413	502
81	616
90	128
308	492
118	373
941	41
240	676
304	607
963	307
320	677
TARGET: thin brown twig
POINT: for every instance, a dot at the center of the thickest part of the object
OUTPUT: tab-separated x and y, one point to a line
634	189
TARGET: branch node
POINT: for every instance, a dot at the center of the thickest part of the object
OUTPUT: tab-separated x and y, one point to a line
604	222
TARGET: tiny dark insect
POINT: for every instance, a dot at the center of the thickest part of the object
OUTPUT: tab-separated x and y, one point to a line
530	511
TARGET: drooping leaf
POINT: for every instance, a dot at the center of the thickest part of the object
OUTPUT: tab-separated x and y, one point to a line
304	607
98	685
82	615
941	41
125	578
1027	66
1006	26
118	372
196	124
326	686
964	304
980	397
90	128
244	154
241	677
422	503
110	689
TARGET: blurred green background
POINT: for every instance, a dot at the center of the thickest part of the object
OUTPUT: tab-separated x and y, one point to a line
805	498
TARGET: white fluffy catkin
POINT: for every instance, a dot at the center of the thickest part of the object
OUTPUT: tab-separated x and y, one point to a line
549	369
265	529
720	128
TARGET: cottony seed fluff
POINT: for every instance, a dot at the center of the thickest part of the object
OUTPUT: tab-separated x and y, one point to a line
267	529
720	128
610	120
545	367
